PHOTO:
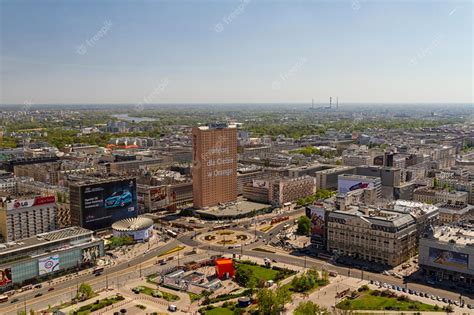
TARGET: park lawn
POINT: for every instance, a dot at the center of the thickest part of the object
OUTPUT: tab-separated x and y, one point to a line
367	301
99	304
165	295
219	311
259	272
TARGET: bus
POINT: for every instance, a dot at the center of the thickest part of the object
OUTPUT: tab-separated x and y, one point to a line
98	271
171	233
3	298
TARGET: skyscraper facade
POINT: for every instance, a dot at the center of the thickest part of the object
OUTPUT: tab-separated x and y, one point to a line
214	164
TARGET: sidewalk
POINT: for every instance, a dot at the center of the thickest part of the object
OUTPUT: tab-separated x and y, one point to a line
326	297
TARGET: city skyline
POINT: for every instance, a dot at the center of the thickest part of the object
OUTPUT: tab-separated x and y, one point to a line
236	52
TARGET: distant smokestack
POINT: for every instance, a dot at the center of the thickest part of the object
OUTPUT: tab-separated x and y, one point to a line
330	101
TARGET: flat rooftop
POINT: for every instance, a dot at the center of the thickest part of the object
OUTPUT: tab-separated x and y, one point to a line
43	238
233	209
459	234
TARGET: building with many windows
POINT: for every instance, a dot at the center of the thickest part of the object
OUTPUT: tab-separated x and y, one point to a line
447	253
27	216
214	164
47	255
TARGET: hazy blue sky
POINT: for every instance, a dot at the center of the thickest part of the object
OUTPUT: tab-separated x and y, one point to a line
236	51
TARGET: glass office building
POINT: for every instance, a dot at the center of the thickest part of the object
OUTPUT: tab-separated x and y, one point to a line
47	255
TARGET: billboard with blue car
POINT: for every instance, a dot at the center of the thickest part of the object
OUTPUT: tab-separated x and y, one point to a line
106	203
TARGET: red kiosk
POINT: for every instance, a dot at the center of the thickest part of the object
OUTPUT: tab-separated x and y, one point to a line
224	268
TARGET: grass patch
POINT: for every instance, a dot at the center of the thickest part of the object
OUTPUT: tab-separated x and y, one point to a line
173	250
249	272
386	300
219	311
226	232
226	242
97	305
266	228
156	293
194	297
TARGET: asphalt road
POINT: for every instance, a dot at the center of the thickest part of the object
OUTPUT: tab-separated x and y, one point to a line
64	291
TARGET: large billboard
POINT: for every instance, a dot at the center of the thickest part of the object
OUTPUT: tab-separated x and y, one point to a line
316	214
106	203
27	203
449	258
346	185
90	254
158	197
5	276
48	264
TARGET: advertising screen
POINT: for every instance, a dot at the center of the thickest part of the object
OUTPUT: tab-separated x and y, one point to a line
158	197
5	276
316	214
106	203
27	203
344	185
48	264
89	255
449	258
260	183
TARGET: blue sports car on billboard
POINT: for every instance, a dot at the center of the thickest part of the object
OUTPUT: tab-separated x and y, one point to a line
119	198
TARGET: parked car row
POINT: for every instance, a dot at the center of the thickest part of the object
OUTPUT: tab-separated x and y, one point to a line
422	294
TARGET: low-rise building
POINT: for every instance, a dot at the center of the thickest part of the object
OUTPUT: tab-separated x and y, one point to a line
47	255
435	195
449	213
447	253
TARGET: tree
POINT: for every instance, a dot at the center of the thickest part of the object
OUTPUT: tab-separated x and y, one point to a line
304	225
271	302
243	276
85	291
310	308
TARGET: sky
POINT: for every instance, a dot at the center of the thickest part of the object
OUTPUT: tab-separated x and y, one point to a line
248	51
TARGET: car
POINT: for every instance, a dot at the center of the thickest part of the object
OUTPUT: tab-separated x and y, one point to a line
51	289
445	300
172	308
386	273
439	298
371	281
38	295
38	286
410	291
14	300
404	290
398	288
470	306
118	199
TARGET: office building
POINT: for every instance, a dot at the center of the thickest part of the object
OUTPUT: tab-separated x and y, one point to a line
47	255
447	253
26	216
214	164
96	203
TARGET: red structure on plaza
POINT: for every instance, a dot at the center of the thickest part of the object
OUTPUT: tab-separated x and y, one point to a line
224	268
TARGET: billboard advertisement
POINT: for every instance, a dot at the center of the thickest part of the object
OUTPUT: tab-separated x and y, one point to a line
259	183
159	197
5	276
48	264
318	225
449	258
106	203
90	254
346	185
27	203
